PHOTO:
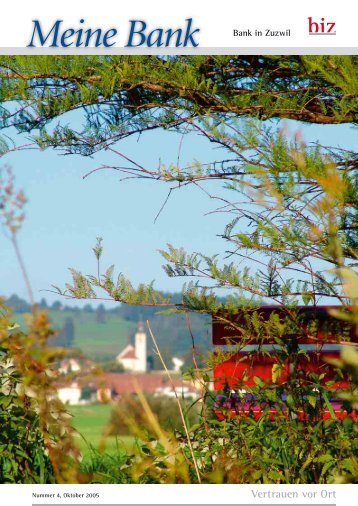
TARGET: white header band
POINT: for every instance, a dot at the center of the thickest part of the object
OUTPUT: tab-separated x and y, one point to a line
187	27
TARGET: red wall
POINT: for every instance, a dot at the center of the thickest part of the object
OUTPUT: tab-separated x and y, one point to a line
231	371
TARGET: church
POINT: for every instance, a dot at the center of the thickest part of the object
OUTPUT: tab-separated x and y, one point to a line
134	358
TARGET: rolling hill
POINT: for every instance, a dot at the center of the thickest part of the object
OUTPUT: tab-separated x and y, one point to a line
102	341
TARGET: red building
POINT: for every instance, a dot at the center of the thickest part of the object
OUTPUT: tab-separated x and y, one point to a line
253	344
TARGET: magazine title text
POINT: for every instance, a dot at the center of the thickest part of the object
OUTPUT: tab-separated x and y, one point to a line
138	34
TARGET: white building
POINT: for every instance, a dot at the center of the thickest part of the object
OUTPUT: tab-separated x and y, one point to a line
69	365
134	358
177	364
70	394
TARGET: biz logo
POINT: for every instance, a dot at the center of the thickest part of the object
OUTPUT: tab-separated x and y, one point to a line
322	27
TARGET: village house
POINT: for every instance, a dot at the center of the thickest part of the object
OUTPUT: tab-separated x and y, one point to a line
114	385
70	393
69	365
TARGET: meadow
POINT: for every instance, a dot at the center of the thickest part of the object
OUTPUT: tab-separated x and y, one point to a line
90	421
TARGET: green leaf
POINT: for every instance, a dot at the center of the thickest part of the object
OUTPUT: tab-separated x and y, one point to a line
290	401
259	382
312	400
328	404
276	372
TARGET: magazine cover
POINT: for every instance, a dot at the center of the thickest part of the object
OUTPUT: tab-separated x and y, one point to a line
179	285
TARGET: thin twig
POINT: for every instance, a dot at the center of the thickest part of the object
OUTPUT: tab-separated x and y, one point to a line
164	204
23	268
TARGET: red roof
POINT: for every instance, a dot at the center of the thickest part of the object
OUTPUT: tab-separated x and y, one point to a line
121	383
128	352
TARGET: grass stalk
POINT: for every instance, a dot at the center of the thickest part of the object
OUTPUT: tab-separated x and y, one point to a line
177	400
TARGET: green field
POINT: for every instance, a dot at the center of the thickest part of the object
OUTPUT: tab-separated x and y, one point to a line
90	421
98	341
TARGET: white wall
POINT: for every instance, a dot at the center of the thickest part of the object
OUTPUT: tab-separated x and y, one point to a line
69	395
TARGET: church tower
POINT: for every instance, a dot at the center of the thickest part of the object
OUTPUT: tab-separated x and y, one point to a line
140	343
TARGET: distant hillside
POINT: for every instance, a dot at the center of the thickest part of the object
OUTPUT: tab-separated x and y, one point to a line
101	334
98	341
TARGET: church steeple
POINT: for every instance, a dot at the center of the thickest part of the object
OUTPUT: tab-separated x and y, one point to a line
140	343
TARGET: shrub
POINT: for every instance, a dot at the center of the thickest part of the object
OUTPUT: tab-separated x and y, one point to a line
23	455
129	411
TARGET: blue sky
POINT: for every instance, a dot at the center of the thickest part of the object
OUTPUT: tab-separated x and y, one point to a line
65	213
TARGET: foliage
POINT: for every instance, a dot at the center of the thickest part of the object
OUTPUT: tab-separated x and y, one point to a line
291	237
112	366
124	95
163	407
293	233
23	455
108	468
283	450
349	362
28	392
32	362
243	449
